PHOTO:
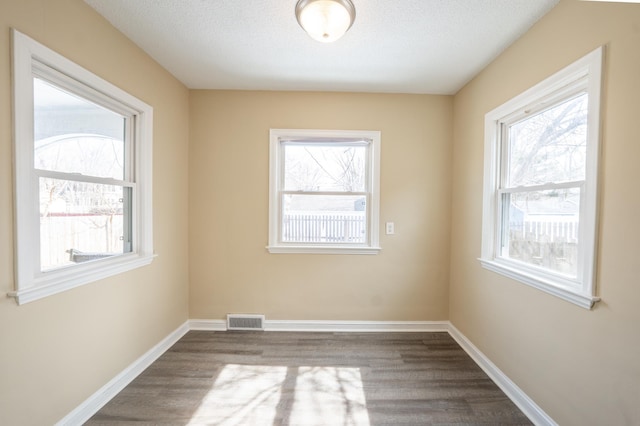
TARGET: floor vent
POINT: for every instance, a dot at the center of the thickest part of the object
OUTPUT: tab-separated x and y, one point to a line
245	322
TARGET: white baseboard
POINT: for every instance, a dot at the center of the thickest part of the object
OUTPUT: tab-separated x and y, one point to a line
96	401
207	325
331	326
517	395
91	405
356	326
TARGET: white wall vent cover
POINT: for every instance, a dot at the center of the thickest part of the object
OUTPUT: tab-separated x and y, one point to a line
245	322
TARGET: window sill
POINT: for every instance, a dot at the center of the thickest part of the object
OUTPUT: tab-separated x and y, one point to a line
324	249
548	286
55	282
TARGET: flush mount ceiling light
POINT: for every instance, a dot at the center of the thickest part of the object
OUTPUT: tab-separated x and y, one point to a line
325	20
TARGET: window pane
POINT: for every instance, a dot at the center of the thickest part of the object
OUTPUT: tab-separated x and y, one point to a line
319	167
324	219
82	221
74	135
549	146
541	228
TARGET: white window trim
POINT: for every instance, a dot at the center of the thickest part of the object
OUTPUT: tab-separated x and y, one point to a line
30	283
582	291
275	177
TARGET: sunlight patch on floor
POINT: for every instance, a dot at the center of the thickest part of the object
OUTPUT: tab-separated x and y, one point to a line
329	395
270	395
242	395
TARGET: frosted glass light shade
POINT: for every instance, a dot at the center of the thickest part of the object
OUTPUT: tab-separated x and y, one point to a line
325	20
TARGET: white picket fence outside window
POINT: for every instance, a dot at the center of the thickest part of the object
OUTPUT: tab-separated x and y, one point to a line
325	227
550	228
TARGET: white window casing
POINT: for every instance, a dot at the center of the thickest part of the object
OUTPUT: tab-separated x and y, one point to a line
582	76
33	60
369	141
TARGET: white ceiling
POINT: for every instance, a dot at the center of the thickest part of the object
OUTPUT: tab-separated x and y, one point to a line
394	46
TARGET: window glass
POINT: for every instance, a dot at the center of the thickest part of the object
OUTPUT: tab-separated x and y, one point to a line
81	221
541	229
550	146
336	219
73	135
322	167
311	215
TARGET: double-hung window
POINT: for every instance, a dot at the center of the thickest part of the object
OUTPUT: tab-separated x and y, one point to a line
83	174
324	191
540	194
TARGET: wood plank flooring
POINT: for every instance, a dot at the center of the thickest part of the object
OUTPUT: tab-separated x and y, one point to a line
282	378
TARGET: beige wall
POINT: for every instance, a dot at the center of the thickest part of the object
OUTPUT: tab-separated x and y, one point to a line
230	269
57	351
582	367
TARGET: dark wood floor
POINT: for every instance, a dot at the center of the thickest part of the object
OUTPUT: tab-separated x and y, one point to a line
280	378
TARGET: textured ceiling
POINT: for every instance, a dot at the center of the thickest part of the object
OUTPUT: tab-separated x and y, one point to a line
397	46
